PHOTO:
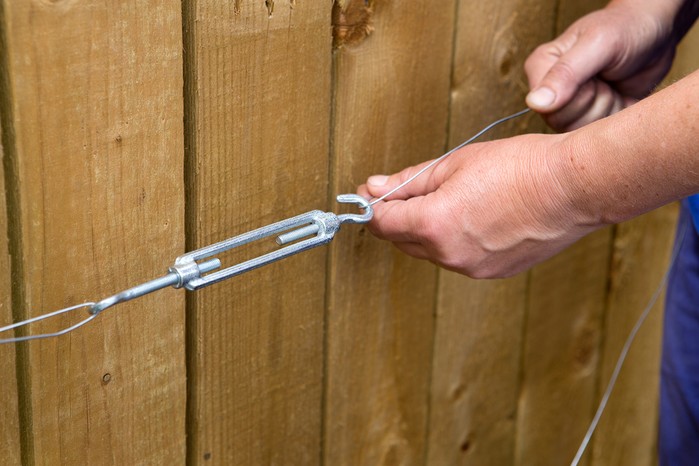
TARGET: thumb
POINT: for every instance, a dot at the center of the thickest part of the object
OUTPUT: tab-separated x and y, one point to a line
556	70
430	180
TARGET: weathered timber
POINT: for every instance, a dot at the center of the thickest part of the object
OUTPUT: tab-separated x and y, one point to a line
258	110
391	98
95	96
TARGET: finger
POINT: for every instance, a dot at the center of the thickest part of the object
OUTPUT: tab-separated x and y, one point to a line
427	182
644	81
399	221
568	70
413	249
596	99
540	62
602	106
562	119
363	191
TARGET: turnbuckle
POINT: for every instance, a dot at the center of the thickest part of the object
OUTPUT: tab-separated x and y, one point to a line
192	272
195	270
322	226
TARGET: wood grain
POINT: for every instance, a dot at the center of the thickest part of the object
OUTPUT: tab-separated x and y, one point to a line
391	107
627	433
566	304
9	420
479	327
96	108
258	112
476	371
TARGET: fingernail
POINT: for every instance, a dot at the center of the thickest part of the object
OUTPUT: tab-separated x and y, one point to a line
377	180
541	97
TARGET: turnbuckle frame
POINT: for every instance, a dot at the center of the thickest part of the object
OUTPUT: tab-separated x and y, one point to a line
322	225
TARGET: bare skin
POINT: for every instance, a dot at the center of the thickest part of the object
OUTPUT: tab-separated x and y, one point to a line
498	208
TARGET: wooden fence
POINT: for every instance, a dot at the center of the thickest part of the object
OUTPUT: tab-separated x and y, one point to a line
135	130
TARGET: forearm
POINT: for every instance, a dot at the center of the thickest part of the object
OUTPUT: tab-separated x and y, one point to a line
636	160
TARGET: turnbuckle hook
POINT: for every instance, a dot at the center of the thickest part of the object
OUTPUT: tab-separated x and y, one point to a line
362	203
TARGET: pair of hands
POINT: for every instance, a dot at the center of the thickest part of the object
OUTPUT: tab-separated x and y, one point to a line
496	209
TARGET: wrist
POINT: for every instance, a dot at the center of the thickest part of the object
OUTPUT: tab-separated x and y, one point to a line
557	184
579	178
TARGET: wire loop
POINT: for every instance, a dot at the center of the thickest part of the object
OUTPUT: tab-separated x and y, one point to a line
44	317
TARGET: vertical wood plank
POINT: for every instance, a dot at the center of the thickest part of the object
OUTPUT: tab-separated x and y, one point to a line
476	370
391	108
479	326
567	297
566	303
96	110
627	432
258	110
9	413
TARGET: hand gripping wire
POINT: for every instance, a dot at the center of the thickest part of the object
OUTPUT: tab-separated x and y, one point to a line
198	269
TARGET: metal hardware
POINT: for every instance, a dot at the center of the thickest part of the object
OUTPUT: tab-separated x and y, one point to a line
171	279
323	225
192	272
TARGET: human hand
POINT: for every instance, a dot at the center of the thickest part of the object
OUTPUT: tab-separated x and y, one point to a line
490	210
602	63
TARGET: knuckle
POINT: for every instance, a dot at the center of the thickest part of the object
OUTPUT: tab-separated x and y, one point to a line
561	72
483	269
451	262
406	174
536	58
480	273
544	50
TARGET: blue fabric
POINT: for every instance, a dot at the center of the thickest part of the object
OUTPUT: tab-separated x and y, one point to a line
693	203
679	381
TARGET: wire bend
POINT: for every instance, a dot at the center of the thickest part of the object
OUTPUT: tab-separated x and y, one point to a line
44	317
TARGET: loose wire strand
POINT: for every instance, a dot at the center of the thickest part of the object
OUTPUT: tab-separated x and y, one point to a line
625	350
442	157
46	316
